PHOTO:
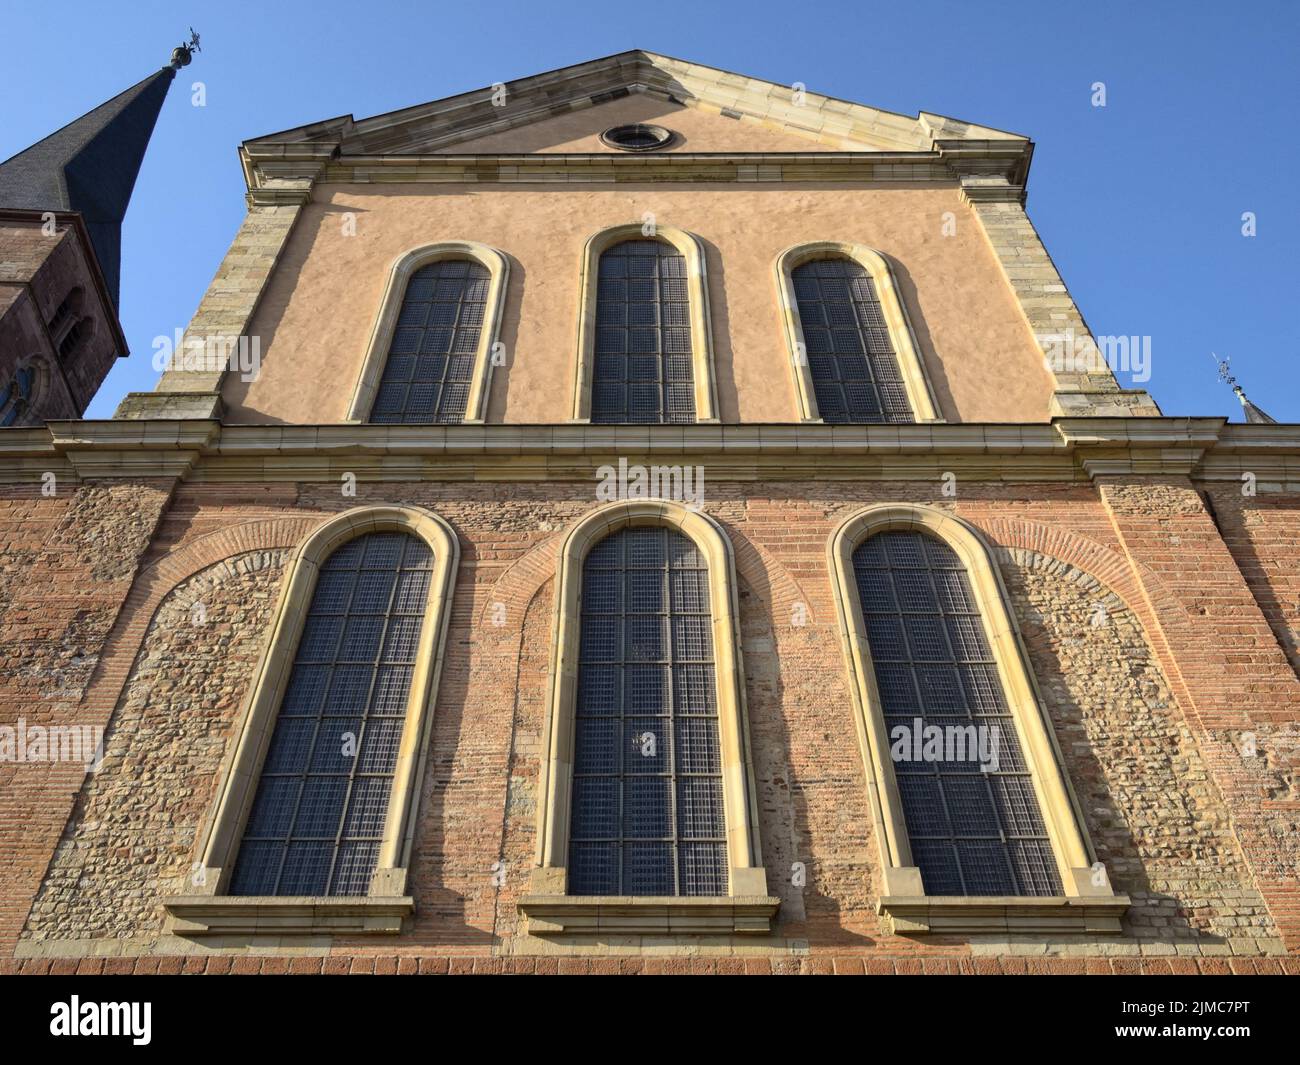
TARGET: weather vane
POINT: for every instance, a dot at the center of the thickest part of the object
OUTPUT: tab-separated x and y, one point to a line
1252	412
183	54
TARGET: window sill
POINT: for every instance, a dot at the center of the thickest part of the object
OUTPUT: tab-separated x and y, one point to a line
195	916
1002	914
648	915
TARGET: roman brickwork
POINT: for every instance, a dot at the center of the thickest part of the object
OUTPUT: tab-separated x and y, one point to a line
156	569
1171	806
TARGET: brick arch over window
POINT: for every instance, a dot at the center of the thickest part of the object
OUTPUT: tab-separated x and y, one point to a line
904	896
387	323
691	251
516	588
903	364
1162	617
160	578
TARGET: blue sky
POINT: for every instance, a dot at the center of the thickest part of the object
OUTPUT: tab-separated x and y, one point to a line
1139	202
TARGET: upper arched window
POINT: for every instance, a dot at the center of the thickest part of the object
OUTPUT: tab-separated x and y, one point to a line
648	816
435	340
968	799
317	820
852	352
643	370
645	355
854	370
431	357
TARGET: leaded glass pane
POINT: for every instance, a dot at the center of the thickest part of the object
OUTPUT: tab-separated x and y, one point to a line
318	814
973	820
648	816
850	355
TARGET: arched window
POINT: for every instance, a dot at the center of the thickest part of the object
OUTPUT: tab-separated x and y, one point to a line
972	816
317	820
647	809
853	356
647	823
432	355
976	826
645	349
854	370
318	797
643	336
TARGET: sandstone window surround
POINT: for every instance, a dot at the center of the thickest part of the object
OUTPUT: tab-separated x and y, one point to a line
211	910
1089	904
692	250
390	307
919	393
747	908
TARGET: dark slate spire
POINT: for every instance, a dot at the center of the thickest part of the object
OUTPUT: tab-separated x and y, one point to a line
90	166
1253	413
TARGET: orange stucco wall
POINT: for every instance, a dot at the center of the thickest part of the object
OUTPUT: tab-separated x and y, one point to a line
317	314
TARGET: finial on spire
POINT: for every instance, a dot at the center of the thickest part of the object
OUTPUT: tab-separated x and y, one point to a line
183	54
1252	412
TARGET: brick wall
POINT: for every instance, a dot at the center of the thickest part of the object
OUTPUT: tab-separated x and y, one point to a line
1146	705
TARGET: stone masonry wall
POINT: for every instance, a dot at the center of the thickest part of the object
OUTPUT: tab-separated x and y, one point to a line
67	563
133	831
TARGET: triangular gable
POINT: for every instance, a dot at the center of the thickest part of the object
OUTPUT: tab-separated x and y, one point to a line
768	117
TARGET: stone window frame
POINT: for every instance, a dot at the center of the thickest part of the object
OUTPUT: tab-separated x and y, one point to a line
697	292
497	264
1085	906
211	910
920	393
747	908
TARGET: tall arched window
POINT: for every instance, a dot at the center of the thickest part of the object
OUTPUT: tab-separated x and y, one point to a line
851	359
973	819
318	817
643	342
435	344
648	815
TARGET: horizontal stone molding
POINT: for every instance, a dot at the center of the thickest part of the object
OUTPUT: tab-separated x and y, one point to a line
206	915
648	915
1064	450
1003	915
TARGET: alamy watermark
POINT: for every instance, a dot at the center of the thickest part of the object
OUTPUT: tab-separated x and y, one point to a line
1069	353
193	353
919	742
681	484
21	742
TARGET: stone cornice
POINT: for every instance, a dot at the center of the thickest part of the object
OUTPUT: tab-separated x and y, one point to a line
1071	450
285	173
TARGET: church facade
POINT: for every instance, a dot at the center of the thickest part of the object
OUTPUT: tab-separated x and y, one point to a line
641	518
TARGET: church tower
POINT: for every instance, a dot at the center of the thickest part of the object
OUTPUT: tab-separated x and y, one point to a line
62	202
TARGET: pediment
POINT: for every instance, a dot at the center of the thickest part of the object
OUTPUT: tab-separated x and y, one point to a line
564	112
